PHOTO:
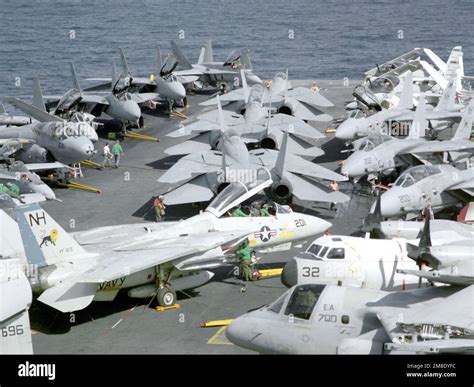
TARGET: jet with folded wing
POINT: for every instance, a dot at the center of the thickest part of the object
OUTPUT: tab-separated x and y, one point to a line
299	102
201	175
255	125
328	319
120	106
445	113
145	91
209	72
150	259
379	153
8	119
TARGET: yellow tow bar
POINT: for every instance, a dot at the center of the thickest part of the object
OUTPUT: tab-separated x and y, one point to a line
330	130
138	136
163	308
80	186
269	273
90	163
215	323
179	115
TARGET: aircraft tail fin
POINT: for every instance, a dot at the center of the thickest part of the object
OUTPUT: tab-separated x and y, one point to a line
45	241
125	68
245	58
245	86
38	100
455	64
280	162
406	97
223	137
448	98
465	126
183	61
2	109
10	241
75	79
15	302
114	77
418	126
159	61
208	53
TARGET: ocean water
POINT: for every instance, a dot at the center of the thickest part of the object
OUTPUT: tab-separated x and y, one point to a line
313	39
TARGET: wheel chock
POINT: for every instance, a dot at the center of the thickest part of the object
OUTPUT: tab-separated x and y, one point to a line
163	308
215	323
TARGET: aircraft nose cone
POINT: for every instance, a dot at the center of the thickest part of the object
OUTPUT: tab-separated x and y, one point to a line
346	131
352	166
179	91
133	111
239	332
317	225
389	205
289	275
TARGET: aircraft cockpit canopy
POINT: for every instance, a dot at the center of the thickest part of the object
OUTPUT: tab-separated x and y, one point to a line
233	58
256	94
416	174
384	84
302	301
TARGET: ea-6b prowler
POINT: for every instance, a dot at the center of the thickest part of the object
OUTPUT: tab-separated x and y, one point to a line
149	259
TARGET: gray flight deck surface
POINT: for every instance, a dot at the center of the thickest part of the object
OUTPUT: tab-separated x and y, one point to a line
128	325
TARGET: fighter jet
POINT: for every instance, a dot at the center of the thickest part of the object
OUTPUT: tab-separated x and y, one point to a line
382	153
208	72
164	86
256	126
299	102
43	142
203	174
328	319
121	107
435	186
353	261
446	111
150	259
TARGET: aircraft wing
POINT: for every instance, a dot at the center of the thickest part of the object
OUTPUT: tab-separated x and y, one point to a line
440	146
231	96
313	98
191	166
429	347
311	191
194	191
79	292
185	79
436	276
32	111
407	56
7	141
307	168
144	97
295	126
196	144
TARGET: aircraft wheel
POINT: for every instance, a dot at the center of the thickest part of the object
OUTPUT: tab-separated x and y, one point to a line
166	297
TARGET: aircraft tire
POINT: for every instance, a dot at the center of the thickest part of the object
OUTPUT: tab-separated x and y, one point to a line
166	297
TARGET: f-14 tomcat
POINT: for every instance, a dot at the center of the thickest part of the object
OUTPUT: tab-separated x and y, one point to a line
149	259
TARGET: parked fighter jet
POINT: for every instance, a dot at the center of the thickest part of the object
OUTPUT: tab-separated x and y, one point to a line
299	102
208	72
41	142
328	319
445	111
382	153
203	174
353	261
122	106
435	186
164	86
256	126
150	259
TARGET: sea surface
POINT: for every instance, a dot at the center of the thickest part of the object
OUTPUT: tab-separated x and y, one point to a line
313	39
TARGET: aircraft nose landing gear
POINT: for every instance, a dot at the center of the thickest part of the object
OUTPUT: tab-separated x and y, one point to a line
166	297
